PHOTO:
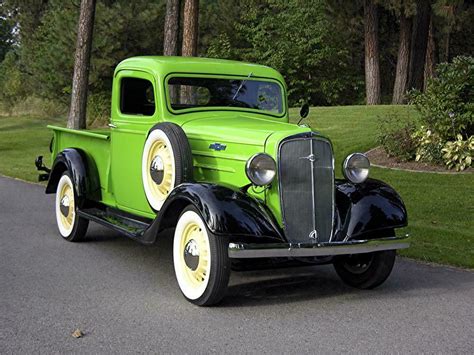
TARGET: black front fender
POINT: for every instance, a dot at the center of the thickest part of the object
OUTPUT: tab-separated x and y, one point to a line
83	172
225	211
368	208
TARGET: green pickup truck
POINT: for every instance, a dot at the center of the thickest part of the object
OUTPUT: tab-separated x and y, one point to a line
205	147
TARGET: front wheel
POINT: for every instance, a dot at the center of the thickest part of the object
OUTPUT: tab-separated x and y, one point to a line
201	260
365	271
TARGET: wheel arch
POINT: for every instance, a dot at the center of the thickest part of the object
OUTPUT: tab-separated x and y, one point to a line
83	171
226	213
366	210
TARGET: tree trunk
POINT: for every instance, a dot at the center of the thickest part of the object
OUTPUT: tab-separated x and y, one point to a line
430	60
170	43
190	41
80	81
372	68
446	46
171	27
403	61
418	45
190	28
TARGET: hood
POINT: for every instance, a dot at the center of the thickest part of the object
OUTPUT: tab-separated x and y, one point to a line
241	129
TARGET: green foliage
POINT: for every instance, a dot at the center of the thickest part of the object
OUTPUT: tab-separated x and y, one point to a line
122	29
220	47
37	106
12	81
428	146
458	154
98	109
396	137
447	105
298	39
6	33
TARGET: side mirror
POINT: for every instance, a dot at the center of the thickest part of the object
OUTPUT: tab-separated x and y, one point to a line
304	111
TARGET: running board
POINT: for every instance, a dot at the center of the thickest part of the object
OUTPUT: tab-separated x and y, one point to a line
132	228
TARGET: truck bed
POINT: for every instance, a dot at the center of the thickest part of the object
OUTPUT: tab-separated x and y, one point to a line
96	146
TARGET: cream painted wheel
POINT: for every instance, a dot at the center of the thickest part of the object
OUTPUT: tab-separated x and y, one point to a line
65	206
166	162
70	226
200	260
191	255
158	168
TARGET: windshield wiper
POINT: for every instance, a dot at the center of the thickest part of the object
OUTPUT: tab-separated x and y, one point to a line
240	86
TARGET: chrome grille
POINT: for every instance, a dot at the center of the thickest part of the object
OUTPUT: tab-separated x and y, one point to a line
306	178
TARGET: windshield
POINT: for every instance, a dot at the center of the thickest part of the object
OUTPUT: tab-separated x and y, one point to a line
191	92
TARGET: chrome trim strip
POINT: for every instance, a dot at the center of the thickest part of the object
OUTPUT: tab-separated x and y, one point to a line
277	250
313	193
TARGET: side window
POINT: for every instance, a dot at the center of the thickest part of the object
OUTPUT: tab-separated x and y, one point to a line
137	97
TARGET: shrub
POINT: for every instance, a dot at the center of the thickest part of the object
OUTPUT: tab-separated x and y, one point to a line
396	137
98	109
458	154
447	105
36	106
428	146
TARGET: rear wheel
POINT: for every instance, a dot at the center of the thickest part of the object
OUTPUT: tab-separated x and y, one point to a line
71	227
365	271
201	261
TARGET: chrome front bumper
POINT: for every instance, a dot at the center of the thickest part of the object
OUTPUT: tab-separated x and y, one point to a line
277	250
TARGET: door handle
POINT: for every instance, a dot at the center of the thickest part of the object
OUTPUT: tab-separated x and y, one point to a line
111	125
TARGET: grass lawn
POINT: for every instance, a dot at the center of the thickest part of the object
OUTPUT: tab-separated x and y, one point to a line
440	206
22	139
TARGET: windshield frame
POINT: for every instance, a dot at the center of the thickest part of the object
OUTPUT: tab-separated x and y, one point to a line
282	87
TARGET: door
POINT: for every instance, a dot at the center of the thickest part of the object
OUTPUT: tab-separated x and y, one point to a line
134	112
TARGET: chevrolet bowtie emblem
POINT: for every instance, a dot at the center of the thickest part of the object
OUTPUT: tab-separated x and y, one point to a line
310	157
217	146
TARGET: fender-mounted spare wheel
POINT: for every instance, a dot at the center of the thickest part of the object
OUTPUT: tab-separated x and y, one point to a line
166	162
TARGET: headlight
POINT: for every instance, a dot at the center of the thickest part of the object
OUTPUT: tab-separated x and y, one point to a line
261	169
356	168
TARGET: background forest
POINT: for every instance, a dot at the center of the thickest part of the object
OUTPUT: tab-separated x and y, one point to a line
318	45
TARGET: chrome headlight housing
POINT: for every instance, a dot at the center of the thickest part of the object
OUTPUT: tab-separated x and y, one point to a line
261	169
356	168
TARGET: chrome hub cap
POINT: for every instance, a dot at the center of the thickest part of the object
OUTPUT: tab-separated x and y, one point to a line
191	255
157	170
64	205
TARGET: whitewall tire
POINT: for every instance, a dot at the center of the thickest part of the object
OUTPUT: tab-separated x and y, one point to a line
70	225
158	168
201	262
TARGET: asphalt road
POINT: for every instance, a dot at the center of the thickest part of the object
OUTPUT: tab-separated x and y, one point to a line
125	299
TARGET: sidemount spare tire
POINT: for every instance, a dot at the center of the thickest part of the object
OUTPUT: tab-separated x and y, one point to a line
166	162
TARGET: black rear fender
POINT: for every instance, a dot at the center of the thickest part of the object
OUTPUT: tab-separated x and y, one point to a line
83	172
